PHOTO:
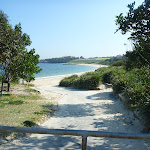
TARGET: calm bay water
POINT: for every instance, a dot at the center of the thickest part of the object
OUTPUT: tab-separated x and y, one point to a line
61	69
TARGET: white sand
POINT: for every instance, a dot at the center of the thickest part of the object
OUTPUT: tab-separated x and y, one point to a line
96	110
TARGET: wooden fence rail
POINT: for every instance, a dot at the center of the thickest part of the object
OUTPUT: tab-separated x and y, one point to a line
83	133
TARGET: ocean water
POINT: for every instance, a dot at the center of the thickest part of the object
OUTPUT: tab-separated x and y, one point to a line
62	69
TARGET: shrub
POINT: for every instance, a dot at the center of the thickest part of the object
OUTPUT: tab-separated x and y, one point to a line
119	63
118	80
29	123
107	73
68	81
145	115
138	86
134	84
88	81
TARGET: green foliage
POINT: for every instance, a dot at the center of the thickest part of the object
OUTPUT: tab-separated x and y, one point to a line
134	85
138	86
30	65
118	80
145	113
136	82
59	60
137	23
119	63
15	61
68	81
88	81
107	73
29	123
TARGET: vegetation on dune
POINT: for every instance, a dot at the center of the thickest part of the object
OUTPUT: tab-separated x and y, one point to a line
137	79
86	81
68	81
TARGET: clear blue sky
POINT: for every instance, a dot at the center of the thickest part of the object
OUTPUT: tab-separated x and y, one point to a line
70	27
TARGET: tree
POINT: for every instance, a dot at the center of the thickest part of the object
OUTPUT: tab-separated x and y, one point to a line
137	22
28	65
15	60
13	43
81	57
10	46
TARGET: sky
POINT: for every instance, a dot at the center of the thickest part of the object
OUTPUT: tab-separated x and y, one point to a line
60	28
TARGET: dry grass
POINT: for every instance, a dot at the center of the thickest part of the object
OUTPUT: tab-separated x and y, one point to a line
17	108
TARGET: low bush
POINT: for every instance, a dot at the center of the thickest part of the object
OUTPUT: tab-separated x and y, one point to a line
118	80
88	81
29	123
106	73
138	87
135	84
68	81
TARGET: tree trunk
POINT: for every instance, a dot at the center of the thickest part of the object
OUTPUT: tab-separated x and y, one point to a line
8	85
2	88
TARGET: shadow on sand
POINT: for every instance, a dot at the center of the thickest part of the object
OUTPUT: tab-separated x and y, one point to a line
108	123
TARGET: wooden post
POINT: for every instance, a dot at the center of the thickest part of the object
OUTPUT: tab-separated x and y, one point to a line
84	142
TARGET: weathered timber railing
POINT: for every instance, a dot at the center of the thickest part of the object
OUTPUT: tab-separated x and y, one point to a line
83	133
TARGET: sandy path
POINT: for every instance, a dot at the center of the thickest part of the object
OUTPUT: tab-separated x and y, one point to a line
83	110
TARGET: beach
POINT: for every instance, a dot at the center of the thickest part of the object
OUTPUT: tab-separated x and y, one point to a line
75	109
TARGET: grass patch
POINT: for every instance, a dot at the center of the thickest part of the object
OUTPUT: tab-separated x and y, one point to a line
22	110
15	115
9	98
32	91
